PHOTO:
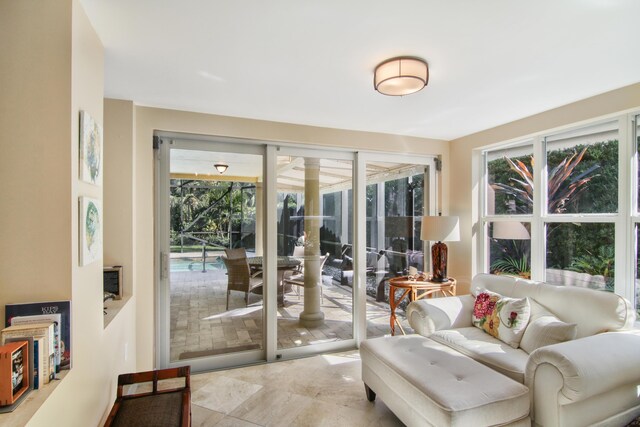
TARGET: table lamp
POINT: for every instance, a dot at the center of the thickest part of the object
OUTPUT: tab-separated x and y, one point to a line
440	229
510	230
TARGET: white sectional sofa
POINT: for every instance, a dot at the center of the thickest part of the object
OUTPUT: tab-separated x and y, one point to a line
589	378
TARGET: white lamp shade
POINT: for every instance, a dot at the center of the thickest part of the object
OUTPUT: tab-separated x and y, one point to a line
440	228
401	76
512	230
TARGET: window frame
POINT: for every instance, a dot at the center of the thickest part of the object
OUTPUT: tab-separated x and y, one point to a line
625	220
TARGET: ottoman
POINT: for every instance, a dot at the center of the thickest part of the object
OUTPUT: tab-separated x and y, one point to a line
426	383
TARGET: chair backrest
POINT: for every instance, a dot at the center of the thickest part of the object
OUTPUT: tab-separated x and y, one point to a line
238	272
235	253
323	259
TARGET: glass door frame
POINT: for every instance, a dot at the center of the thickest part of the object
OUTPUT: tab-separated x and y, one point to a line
271	247
165	141
430	200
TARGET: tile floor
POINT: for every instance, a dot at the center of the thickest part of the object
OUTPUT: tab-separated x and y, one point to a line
201	326
324	390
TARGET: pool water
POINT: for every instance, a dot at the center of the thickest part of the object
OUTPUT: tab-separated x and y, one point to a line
191	264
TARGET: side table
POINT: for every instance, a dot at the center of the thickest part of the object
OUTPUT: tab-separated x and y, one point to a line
416	290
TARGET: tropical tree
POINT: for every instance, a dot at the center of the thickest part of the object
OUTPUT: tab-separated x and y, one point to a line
564	184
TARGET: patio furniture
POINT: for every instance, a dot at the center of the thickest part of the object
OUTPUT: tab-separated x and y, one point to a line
170	407
235	253
297	279
284	264
240	278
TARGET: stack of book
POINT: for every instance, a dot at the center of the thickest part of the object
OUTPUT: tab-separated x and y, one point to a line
42	330
41	338
14	366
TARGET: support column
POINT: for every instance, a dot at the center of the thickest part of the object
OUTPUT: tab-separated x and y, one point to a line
312	316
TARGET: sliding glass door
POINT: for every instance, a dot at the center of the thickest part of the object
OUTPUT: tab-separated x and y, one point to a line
398	194
314	249
211	240
268	252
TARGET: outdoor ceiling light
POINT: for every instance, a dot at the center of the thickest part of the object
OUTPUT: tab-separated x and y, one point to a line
221	167
401	76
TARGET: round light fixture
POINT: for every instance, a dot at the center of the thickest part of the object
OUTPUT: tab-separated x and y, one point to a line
221	167
401	76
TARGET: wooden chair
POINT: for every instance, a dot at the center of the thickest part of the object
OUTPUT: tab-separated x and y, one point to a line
297	279
169	407
239	277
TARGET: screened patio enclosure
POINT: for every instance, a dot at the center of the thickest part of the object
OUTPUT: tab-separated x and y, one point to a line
211	212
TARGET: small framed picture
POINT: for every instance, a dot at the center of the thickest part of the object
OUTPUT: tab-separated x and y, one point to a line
90	222
90	168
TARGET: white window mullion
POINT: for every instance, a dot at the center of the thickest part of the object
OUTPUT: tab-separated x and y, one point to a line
624	273
632	216
483	259
538	233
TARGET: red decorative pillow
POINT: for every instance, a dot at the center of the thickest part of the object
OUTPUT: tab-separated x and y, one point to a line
502	317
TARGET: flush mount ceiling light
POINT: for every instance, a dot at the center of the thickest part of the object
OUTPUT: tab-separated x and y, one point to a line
221	167
401	76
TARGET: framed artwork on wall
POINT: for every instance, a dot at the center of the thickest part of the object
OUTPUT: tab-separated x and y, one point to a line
90	222
90	168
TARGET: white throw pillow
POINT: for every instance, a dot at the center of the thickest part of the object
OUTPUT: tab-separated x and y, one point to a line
502	317
545	329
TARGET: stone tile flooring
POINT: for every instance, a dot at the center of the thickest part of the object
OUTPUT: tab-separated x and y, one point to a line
200	325
324	390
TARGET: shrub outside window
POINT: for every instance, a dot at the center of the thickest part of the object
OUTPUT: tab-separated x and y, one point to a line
510	181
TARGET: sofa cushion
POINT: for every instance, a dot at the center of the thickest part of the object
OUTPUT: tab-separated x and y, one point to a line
502	317
545	329
485	349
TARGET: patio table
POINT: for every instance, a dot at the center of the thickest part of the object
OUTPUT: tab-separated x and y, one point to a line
284	264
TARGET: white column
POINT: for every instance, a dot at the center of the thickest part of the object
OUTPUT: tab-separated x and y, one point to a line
312	316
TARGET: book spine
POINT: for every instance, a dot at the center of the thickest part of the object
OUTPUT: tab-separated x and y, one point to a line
36	364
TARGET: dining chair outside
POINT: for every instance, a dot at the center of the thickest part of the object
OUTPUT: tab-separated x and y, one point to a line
239	277
235	253
297	279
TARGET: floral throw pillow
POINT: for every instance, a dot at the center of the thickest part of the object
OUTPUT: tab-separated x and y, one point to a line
502	317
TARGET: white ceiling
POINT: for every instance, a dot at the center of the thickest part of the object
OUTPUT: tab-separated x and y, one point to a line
312	62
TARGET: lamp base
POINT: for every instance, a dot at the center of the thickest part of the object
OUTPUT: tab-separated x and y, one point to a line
439	263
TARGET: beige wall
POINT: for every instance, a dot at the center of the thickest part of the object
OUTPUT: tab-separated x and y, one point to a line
118	191
464	194
35	165
150	119
52	66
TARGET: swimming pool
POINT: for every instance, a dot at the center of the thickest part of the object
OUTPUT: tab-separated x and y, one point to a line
194	264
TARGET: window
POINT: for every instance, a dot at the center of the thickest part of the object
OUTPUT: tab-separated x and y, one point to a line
582	170
510	180
508	209
564	220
